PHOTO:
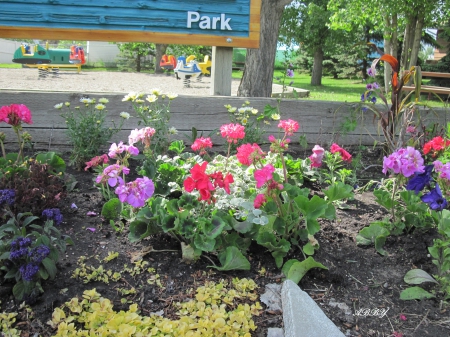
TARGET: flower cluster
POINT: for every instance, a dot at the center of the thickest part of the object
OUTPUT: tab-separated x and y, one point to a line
317	156
137	192
264	177
406	161
201	144
96	161
26	257
289	126
53	214
248	154
15	114
120	148
143	135
344	154
111	174
232	132
435	145
7	197
206	183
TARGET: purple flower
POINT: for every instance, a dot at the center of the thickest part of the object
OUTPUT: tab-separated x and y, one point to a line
16	254
405	161
20	242
7	197
137	192
28	271
373	99
53	214
375	85
290	73
37	254
418	182
434	199
111	174
371	72
369	86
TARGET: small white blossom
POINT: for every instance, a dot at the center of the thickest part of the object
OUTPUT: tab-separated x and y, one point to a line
100	107
254	111
152	98
156	91
275	117
172	131
85	100
103	100
130	97
58	106
125	115
67	104
172	95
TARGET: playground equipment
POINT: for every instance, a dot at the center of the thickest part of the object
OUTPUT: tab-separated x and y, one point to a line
168	62
205	66
46	59
187	69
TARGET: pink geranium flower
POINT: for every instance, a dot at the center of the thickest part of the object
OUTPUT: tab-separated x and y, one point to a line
406	161
317	156
232	132
200	144
263	175
111	174
143	135
96	161
259	200
248	154
344	154
289	126
15	114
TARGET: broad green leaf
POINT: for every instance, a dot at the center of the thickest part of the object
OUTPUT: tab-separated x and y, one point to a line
384	198
296	270
339	191
142	229
204	243
111	209
243	226
376	234
418	276
19	290
214	227
232	259
415	293
308	249
52	159
50	266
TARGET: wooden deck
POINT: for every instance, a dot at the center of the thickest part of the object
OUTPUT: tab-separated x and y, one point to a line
320	121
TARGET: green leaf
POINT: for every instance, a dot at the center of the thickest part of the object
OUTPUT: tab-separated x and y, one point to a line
375	233
204	243
243	226
19	290
415	293
418	276
384	198
50	266
295	270
339	191
43	273
312	209
142	229
29	220
111	209
214	228
232	259
308	249
52	159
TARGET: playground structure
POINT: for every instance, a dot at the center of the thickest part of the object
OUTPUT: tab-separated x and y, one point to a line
189	68
46	59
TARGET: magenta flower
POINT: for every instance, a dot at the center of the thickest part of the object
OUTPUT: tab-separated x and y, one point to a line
143	135
259	200
200	144
137	192
442	169
232	132
248	154
15	114
264	175
317	156
289	126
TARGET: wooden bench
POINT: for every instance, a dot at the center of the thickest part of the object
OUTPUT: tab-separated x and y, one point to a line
430	88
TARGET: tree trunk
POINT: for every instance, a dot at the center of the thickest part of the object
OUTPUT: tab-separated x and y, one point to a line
316	76
138	62
415	48
160	51
387	67
407	43
258	70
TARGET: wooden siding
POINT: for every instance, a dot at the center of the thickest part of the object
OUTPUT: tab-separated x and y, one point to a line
320	121
143	21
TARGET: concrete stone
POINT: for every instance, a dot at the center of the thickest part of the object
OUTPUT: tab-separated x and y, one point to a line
302	316
275	332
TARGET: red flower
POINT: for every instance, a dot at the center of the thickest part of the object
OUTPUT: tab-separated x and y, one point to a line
96	161
232	132
200	144
436	144
289	126
344	154
259	200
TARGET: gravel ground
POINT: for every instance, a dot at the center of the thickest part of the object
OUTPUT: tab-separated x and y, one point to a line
70	80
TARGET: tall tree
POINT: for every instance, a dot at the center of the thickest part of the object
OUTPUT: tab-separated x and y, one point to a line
258	70
136	50
160	51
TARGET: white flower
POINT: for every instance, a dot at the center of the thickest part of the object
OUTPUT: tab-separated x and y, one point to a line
171	95
275	117
172	131
67	104
156	91
100	107
254	111
58	106
124	115
130	97
103	100
139	101
152	98
85	100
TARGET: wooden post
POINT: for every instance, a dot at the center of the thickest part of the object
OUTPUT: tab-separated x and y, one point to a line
221	70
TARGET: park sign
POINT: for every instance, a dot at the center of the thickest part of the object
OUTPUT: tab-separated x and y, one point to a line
226	23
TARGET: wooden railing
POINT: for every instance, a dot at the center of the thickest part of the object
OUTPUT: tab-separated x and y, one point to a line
430	88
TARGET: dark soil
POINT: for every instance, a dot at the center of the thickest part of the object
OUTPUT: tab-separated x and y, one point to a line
357	277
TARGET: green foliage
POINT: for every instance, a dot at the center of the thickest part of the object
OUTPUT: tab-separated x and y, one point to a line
87	129
294	270
132	54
